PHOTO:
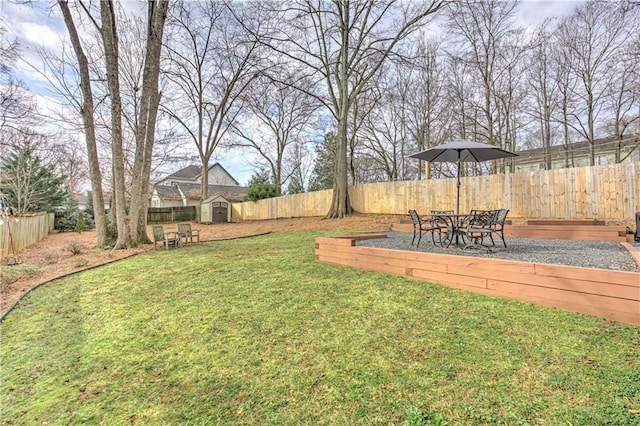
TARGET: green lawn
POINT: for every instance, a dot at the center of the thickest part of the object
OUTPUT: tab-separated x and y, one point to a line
254	331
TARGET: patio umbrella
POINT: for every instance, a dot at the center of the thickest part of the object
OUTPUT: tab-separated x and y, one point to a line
462	152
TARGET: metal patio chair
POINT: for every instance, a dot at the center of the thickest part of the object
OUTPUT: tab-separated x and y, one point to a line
421	227
497	226
478	227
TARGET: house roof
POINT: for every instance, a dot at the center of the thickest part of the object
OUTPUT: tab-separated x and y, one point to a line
168	192
189	172
229	192
602	145
193	172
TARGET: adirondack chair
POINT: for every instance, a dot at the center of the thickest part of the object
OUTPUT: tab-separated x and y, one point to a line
165	238
187	234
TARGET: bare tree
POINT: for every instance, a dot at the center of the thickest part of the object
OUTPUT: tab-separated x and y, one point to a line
344	43
623	98
544	88
279	121
594	34
87	110
109	34
424	88
211	61
17	106
145	129
130	228
384	133
484	29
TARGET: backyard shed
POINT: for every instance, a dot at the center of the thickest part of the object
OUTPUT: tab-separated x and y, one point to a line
215	209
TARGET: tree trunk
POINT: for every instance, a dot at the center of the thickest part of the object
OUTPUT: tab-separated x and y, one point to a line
146	123
340	204
110	42
89	128
204	181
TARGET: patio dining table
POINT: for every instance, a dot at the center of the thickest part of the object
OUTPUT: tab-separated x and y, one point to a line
453	223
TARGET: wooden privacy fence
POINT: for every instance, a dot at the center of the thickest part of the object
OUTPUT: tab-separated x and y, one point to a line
19	232
610	193
171	214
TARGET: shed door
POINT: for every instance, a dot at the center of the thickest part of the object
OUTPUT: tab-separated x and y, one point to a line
220	211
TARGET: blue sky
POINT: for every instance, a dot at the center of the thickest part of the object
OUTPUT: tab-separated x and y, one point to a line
41	25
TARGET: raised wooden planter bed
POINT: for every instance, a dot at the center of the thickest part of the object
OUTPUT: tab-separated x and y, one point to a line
613	295
568	230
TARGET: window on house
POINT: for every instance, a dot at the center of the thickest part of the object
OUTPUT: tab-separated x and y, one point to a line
541	166
601	160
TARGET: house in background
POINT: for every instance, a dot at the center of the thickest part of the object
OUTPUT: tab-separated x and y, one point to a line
183	188
578	154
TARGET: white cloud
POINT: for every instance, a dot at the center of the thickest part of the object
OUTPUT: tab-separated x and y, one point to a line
40	35
533	12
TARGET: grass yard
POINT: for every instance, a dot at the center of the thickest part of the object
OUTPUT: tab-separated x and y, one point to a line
254	332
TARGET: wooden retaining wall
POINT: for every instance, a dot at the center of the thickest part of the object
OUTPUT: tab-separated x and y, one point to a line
613	295
568	232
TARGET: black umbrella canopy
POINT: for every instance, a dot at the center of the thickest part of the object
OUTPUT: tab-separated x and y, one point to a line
464	152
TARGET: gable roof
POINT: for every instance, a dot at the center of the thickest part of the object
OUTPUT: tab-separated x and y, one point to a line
232	193
191	191
189	172
194	172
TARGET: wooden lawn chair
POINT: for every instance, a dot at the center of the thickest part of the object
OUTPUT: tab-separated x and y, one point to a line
165	238
187	234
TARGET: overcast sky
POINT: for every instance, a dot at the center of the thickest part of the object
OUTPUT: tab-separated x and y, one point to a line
42	25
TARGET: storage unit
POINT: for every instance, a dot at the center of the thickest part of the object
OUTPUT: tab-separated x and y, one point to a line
215	209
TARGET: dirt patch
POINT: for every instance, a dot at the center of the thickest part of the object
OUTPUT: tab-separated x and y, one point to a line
54	254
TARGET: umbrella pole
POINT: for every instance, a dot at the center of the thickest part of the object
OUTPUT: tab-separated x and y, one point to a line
458	187
457	197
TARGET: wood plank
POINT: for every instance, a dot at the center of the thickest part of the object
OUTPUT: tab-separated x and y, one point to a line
631	279
566	222
523	292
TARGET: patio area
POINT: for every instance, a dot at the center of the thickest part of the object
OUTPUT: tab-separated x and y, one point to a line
582	253
598	278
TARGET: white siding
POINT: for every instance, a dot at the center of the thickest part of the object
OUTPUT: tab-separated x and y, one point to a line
218	176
